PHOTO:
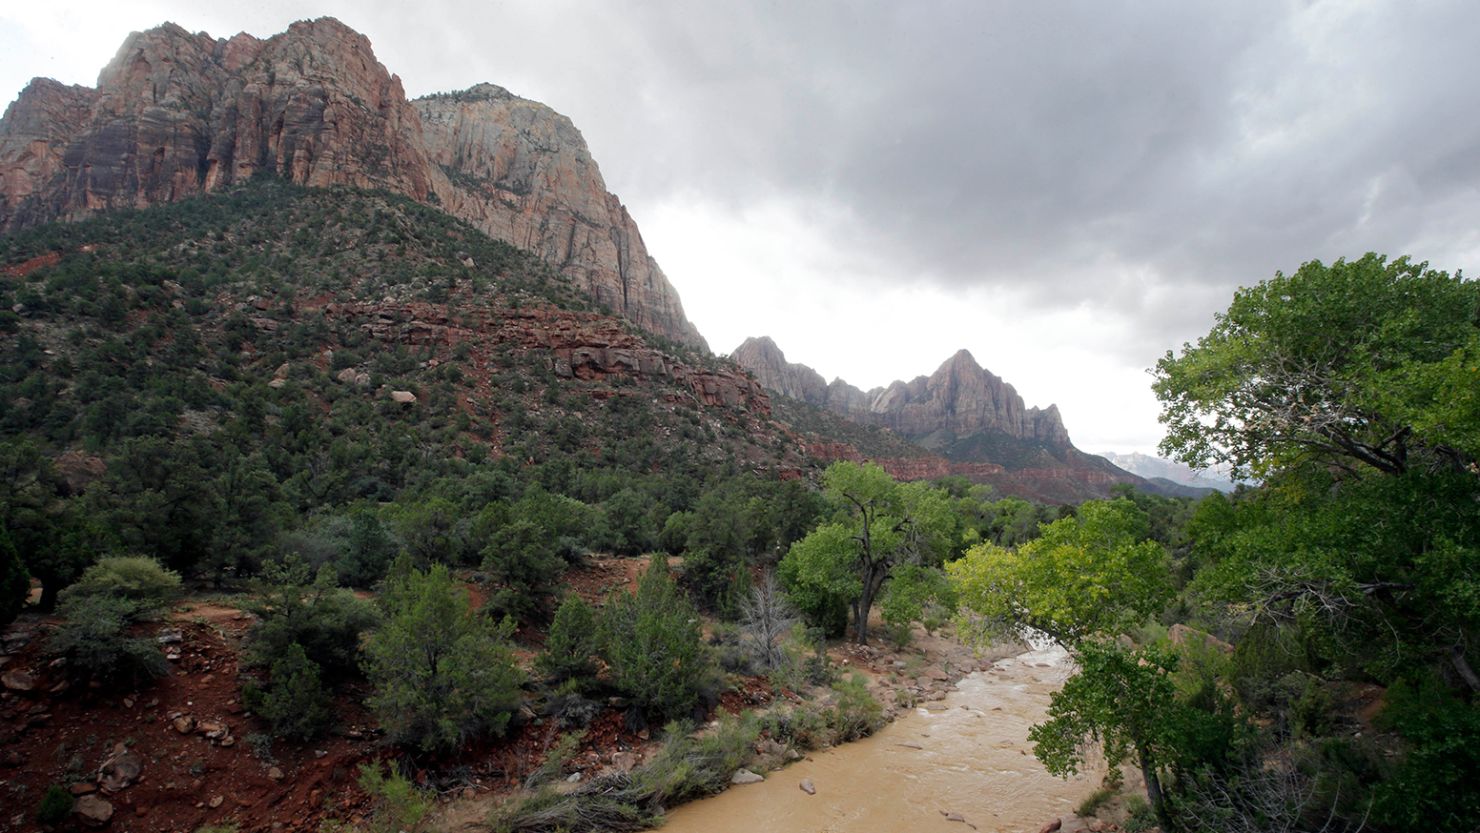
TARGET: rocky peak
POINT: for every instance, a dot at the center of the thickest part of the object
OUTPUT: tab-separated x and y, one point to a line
177	114
768	364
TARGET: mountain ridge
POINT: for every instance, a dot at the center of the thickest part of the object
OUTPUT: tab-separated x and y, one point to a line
176	114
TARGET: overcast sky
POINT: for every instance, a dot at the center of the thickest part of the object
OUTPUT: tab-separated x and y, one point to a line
1068	190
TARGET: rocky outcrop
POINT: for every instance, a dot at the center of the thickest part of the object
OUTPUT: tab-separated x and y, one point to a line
960	398
176	114
522	172
768	364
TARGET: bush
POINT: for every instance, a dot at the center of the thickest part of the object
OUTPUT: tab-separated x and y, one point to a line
94	641
137	579
916	594
651	641
15	582
295	703
323	620
399	805
572	643
442	672
856	714
56	805
522	558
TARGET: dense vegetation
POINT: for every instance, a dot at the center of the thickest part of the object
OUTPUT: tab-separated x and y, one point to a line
179	404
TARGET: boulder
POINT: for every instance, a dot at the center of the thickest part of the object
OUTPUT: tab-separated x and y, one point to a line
93	810
1051	826
807	786
404	397
18	680
120	769
184	724
745	776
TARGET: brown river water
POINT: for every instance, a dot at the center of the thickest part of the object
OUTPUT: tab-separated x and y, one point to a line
966	755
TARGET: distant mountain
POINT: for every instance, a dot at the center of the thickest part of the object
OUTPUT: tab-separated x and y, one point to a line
1157	468
176	115
968	420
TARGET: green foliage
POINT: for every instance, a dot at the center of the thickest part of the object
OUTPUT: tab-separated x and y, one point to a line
295	703
916	593
1353	363
136	579
1434	786
56	805
571	647
818	575
322	620
94	640
651	641
856	713
521	557
399	804
1091	574
15	582
442	672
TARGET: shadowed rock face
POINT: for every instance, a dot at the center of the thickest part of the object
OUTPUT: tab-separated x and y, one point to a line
177	114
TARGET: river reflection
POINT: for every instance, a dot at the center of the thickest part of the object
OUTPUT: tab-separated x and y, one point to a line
966	755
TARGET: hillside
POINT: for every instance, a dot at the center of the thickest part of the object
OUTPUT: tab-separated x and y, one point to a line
175	115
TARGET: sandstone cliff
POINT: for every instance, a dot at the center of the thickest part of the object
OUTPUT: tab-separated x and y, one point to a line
176	114
522	172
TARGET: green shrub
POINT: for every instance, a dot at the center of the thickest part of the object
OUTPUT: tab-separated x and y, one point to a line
856	714
572	644
15	582
94	640
325	621
295	703
442	672
399	805
916	593
56	805
521	557
1434	786
137	579
651	641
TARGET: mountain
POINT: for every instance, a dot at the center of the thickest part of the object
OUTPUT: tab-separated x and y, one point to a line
176	114
965	419
1157	468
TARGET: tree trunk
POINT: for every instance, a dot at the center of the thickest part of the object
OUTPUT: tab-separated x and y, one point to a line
1462	667
50	587
1153	792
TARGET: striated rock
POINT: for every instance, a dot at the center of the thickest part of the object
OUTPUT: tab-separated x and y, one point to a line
176	114
522	172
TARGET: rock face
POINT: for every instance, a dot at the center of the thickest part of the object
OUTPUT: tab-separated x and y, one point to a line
177	114
971	423
522	172
960	398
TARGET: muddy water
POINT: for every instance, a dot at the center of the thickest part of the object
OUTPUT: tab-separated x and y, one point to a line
967	754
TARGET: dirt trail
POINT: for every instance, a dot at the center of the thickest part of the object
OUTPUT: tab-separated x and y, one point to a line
966	755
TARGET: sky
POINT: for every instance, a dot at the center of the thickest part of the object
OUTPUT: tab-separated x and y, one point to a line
1066	189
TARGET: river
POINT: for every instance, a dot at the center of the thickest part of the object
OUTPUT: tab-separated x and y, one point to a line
966	755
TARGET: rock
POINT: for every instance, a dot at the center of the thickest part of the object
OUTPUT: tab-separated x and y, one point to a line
745	776
275	774
1181	635
350	376
791	755
119	770
82	788
949	816
216	801
213	729
405	397
1051	826
18	680
184	724
573	778
624	761
807	786
177	114
94	811
170	636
